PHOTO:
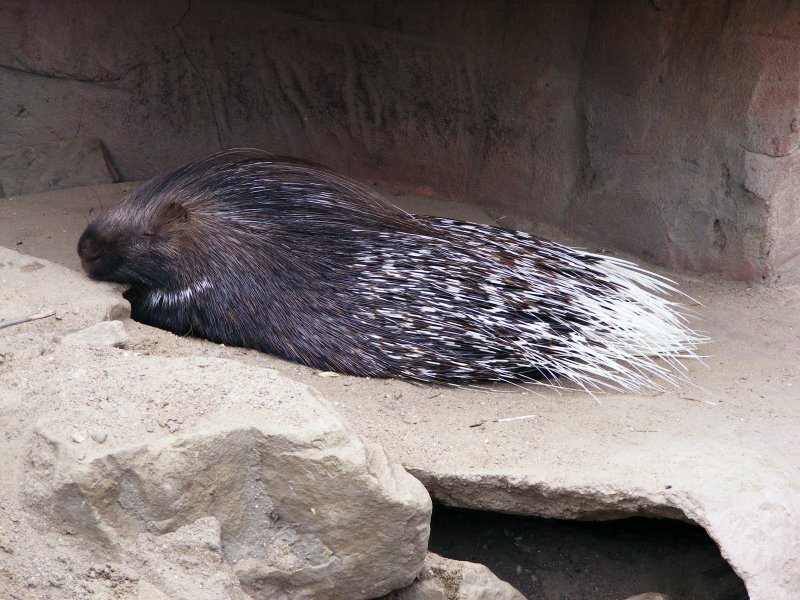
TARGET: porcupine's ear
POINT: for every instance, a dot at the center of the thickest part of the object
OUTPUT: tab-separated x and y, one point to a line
171	217
174	212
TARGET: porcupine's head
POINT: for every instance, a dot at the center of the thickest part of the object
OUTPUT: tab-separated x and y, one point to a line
215	213
168	232
243	230
137	242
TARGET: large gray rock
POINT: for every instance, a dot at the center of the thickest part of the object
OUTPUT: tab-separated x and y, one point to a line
306	509
139	459
55	165
448	579
186	564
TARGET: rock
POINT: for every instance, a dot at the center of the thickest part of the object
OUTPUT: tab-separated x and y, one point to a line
106	333
98	436
186	564
55	165
447	579
428	589
78	301
306	509
479	583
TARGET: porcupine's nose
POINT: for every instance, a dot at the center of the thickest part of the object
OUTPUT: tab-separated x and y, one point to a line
88	249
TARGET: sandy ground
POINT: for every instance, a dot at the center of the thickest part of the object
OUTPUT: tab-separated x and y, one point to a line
720	451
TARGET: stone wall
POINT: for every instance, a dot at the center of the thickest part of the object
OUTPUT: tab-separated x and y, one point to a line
665	128
690	112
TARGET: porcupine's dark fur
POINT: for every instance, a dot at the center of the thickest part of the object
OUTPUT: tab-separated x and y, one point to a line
287	257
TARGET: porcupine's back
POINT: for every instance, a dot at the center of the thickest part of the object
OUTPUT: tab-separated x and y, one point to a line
289	258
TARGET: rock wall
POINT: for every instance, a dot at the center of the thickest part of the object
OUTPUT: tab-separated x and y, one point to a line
667	128
690	112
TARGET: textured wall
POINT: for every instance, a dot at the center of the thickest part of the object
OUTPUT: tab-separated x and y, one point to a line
664	128
691	112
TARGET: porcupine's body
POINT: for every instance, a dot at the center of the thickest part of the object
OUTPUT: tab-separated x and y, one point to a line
292	259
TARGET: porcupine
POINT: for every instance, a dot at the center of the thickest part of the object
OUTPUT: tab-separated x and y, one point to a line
287	257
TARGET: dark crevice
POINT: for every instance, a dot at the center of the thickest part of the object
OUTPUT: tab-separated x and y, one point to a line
553	559
101	81
793	152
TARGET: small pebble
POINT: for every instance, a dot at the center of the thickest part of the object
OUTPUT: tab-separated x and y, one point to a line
78	374
99	436
78	438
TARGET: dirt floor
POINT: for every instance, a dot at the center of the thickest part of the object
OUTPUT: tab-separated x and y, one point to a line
720	451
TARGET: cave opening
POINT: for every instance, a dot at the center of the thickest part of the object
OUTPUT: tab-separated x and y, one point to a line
555	559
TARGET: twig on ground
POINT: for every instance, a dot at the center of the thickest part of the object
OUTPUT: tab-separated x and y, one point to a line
479	423
698	400
21	320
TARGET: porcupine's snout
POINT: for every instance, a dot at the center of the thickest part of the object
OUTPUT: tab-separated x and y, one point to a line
100	257
88	249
